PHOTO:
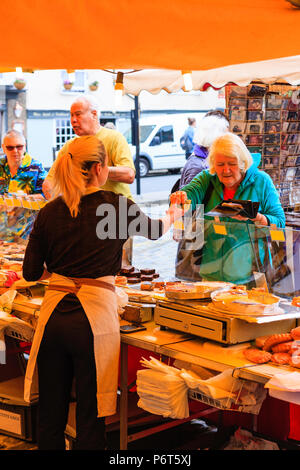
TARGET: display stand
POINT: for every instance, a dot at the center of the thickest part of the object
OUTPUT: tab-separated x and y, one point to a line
267	118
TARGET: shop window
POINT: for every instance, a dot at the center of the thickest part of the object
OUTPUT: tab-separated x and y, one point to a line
64	132
79	83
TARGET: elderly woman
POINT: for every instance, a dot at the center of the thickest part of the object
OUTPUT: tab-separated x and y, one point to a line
232	174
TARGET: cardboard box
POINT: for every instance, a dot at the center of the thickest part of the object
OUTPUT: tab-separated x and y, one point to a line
17	418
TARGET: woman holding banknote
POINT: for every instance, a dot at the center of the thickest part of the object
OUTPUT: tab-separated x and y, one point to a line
233	174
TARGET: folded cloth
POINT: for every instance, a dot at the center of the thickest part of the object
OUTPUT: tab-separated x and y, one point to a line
291	397
286	382
162	391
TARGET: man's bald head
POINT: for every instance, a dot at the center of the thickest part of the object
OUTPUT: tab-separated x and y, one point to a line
85	115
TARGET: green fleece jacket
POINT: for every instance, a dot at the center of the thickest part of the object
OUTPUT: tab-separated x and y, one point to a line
231	257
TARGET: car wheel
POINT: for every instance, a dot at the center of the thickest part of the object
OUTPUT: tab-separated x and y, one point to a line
144	167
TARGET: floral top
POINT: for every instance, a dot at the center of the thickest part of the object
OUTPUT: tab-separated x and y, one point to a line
29	177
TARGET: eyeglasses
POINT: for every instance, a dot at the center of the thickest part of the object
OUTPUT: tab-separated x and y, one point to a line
11	147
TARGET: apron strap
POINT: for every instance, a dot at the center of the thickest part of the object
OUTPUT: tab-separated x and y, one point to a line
79	281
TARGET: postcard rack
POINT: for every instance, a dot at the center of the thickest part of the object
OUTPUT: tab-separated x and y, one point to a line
267	118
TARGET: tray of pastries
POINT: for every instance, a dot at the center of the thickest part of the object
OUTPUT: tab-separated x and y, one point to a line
239	300
194	290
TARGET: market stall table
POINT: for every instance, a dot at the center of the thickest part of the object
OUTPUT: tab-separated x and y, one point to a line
152	339
192	350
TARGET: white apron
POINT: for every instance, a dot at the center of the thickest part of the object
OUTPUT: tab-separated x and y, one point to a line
100	306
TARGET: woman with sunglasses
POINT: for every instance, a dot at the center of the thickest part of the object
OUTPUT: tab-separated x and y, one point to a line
18	170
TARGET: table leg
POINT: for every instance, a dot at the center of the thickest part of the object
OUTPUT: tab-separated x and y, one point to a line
124	397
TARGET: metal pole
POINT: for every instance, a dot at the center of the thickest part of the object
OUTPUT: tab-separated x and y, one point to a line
137	143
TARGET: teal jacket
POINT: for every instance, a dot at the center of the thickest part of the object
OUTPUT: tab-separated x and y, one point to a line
231	257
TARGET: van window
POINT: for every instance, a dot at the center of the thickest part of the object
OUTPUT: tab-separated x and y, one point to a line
145	131
166	134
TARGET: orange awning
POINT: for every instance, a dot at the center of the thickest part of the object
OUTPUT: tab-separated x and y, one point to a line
131	34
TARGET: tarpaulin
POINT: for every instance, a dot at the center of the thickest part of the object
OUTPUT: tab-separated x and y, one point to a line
130	34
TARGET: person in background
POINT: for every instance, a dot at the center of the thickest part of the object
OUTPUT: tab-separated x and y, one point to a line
77	243
187	140
211	126
109	125
85	115
18	170
232	173
85	121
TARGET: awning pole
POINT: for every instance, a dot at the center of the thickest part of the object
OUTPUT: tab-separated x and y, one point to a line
137	143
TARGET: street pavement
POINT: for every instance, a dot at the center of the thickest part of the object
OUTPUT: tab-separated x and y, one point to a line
158	254
154	182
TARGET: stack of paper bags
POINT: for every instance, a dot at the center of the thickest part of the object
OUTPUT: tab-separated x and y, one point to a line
285	387
161	390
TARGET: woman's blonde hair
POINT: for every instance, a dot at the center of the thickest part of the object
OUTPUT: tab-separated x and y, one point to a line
232	146
73	169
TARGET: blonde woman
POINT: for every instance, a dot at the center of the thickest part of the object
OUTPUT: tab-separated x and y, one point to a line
232	174
77	242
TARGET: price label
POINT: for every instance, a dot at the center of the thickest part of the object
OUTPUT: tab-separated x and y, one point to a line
9	202
26	204
17	202
277	235
220	229
35	205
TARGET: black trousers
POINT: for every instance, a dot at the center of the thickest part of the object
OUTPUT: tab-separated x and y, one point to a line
67	352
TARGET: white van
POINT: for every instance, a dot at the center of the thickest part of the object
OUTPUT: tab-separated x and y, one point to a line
160	141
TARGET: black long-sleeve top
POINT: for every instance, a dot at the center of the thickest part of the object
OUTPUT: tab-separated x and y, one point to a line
75	247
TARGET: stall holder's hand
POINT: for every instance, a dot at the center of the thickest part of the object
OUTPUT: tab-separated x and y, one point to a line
179	202
179	198
260	219
174	212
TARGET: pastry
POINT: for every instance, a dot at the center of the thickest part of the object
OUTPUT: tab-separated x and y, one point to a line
282	347
126	270
257	355
276	339
147	271
296	301
294	360
133	280
260	341
295	348
121	280
145	277
295	332
146	286
281	358
158	284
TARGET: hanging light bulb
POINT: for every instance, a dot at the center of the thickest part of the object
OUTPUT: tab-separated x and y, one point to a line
19	72
187	80
119	87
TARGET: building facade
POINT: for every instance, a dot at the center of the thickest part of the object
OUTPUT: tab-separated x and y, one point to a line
44	105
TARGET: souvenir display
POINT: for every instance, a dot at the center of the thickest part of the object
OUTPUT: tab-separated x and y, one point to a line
267	118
